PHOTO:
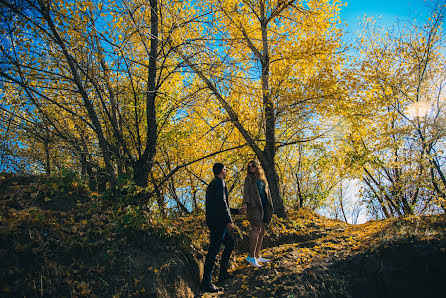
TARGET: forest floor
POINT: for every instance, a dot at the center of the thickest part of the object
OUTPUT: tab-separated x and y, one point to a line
313	256
324	258
59	240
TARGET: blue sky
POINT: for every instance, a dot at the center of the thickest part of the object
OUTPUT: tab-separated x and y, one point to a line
390	11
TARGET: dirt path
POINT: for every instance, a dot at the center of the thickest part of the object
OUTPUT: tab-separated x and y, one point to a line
381	258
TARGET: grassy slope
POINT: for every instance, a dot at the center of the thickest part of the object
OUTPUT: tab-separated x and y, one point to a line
56	239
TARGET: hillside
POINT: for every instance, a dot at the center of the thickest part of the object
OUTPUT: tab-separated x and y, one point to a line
58	239
313	256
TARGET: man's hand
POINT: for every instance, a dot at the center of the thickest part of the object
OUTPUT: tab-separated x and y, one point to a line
230	226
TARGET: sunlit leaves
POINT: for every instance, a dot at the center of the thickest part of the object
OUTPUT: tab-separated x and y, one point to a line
394	112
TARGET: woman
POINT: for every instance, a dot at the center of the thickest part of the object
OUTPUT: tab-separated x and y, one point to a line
259	209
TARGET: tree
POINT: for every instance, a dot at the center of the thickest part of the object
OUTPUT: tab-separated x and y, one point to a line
397	115
266	62
309	176
94	75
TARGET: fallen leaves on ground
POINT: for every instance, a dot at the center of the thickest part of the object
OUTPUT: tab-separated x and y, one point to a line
76	243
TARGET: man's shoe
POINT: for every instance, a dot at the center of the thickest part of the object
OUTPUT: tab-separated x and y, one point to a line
253	261
262	260
209	287
224	276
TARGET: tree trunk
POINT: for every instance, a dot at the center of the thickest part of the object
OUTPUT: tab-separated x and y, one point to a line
299	193
269	164
143	166
174	195
298	173
377	195
341	203
47	157
141	173
273	182
159	198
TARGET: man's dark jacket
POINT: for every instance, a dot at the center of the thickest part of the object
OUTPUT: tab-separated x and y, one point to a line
218	213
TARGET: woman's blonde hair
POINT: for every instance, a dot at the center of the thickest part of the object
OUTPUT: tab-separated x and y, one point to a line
259	174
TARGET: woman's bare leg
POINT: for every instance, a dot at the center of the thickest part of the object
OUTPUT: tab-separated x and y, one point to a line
254	237
260	240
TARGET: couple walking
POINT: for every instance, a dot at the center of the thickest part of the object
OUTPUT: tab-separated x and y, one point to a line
258	206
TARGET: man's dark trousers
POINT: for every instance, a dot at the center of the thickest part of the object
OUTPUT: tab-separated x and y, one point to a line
219	235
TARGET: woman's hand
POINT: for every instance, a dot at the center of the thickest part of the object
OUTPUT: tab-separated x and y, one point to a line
242	209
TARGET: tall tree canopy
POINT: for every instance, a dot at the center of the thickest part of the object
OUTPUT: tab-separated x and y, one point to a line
159	90
268	65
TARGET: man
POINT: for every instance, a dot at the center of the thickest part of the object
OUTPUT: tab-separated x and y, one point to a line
219	221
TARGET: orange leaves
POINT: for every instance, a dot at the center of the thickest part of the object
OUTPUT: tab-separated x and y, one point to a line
79	287
154	270
245	223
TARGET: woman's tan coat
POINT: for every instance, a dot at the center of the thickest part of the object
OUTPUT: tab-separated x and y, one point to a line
251	196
